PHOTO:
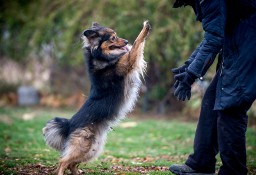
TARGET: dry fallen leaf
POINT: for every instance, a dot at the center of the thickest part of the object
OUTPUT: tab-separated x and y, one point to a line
128	124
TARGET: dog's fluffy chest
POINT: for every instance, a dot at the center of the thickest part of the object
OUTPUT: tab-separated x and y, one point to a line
132	84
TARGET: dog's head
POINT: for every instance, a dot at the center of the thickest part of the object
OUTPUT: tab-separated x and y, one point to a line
103	43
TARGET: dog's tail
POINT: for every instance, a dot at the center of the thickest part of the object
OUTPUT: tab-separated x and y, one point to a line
55	133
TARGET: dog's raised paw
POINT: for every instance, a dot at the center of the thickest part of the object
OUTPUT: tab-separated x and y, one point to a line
147	28
147	25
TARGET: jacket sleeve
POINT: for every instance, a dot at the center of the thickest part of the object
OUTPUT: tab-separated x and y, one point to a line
213	22
193	55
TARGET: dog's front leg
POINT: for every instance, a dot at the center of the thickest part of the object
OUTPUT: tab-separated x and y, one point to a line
134	58
140	38
137	50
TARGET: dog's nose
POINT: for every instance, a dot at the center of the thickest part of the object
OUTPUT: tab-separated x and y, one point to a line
126	41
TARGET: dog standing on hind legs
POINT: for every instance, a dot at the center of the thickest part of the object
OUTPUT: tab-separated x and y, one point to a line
115	70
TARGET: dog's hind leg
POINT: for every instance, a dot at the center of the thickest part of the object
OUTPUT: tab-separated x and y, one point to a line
73	168
62	166
69	163
76	149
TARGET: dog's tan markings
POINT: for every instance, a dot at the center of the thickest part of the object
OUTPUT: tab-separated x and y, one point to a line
105	48
110	31
80	142
106	31
119	42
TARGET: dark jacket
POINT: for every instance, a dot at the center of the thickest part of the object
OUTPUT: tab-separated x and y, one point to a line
235	37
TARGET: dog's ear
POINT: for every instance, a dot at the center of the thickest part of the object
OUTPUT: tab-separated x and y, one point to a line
95	24
90	34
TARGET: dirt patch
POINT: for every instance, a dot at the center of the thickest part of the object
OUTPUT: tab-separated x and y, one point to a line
36	169
120	170
39	169
116	169
118	166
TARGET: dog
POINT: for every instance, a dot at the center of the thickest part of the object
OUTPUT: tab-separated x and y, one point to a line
115	70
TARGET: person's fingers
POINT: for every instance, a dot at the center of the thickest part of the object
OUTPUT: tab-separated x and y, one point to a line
179	70
176	92
180	96
181	91
176	84
184	96
189	94
180	76
183	68
175	70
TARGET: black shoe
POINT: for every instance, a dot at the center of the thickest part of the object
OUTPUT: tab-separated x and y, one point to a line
183	169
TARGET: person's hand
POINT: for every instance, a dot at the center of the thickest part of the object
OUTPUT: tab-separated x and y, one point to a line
177	71
180	69
183	87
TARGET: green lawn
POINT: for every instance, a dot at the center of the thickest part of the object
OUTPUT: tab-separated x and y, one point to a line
136	146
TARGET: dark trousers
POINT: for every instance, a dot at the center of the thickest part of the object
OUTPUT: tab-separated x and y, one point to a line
221	132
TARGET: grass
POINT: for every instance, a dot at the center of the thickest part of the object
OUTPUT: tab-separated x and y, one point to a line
136	146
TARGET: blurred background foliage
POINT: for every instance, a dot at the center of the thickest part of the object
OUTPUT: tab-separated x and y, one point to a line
34	30
27	26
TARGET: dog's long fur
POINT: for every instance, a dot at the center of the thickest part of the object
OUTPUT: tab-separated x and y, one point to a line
115	71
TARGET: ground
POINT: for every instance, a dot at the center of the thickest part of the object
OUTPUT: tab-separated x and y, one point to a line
136	146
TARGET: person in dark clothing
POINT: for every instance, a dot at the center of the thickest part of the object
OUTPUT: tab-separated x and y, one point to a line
230	31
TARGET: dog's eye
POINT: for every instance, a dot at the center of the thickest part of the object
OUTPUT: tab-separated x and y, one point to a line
113	38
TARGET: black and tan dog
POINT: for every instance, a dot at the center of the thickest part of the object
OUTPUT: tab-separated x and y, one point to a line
115	71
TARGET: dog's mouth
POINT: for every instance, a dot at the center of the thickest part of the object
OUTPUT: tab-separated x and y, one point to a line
119	47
